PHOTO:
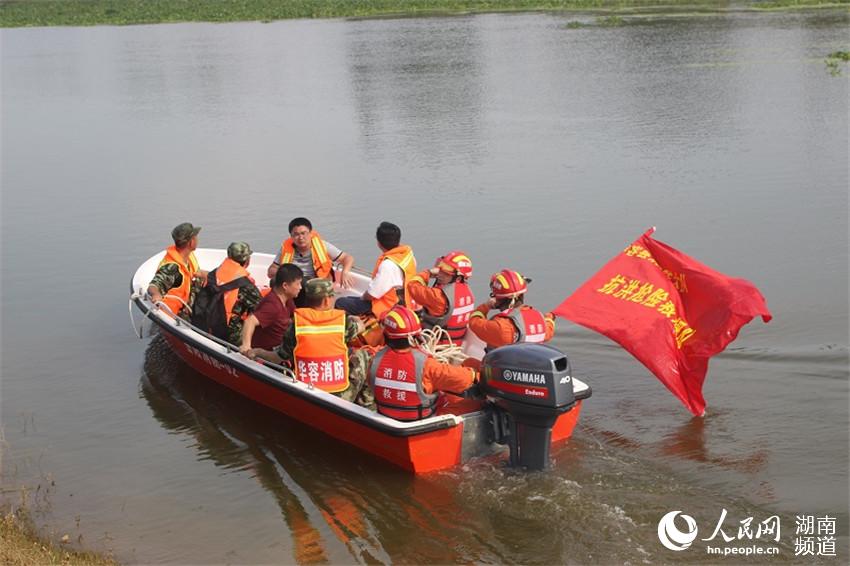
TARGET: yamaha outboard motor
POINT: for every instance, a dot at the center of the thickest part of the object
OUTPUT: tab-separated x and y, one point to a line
530	385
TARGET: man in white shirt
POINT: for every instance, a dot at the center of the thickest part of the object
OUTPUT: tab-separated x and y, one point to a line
392	270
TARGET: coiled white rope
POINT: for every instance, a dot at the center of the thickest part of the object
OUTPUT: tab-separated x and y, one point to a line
447	352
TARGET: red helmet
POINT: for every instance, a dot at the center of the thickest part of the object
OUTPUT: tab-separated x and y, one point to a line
401	322
508	284
455	263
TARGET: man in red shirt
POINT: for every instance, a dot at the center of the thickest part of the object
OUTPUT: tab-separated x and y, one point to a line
265	327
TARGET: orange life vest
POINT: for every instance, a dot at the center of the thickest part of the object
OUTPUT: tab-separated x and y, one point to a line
321	261
187	271
396	379
229	271
321	354
402	256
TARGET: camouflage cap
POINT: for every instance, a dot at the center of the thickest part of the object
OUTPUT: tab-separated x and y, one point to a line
319	288
239	252
184	232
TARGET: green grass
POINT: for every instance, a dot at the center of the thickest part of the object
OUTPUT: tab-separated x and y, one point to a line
22	545
15	13
798	4
834	60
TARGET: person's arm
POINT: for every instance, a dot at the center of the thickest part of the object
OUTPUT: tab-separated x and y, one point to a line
496	332
267	355
167	277
345	277
550	325
433	299
352	328
154	294
346	280
274	266
248	333
286	350
437	376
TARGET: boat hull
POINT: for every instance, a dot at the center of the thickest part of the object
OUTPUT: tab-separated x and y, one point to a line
420	453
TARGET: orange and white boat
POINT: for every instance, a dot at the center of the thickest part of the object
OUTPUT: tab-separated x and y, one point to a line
529	399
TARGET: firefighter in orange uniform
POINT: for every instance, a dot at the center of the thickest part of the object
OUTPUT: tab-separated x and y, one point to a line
450	302
515	322
172	283
316	346
393	270
406	381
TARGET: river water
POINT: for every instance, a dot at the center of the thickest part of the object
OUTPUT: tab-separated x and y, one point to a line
529	145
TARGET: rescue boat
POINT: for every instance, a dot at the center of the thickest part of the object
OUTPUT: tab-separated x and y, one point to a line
528	398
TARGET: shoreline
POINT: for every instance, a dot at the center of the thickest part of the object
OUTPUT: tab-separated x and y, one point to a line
51	13
21	544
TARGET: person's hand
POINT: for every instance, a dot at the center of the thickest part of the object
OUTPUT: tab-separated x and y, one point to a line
250	353
434	271
244	349
491	302
201	278
155	297
346	280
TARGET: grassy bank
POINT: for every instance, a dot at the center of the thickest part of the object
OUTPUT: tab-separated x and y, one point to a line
16	13
20	545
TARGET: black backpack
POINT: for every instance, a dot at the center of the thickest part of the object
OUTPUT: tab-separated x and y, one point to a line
208	311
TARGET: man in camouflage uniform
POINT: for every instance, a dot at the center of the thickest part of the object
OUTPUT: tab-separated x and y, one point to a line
319	292
248	298
169	276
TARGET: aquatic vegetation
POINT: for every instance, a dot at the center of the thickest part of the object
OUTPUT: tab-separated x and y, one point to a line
833	61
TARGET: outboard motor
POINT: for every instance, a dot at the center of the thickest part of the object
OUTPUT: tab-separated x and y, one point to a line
531	386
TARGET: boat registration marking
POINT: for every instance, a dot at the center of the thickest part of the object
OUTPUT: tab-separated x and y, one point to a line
217	364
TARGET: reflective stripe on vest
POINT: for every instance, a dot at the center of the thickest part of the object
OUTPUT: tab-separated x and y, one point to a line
529	322
321	262
187	272
396	379
402	256
456	318
321	355
229	271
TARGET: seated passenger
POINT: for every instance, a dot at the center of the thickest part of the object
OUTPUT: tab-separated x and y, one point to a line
229	296
515	322
173	283
406	381
394	268
306	249
316	346
449	302
264	327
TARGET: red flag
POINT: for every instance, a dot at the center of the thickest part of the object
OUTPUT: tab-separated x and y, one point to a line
668	310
